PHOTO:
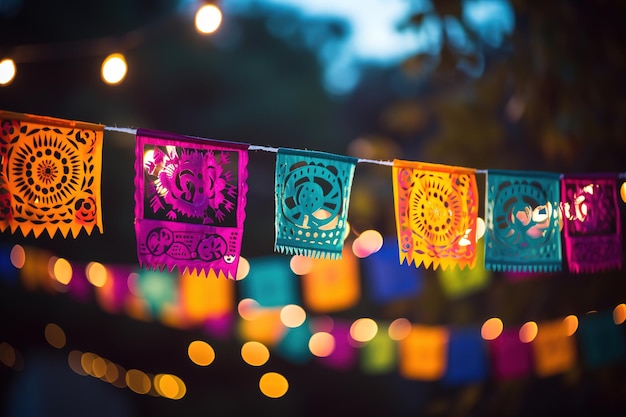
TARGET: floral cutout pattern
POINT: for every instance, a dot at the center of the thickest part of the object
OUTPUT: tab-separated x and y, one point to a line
50	172
522	222
436	210
190	202
591	222
312	200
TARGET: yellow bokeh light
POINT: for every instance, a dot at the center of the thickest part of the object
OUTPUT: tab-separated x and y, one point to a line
571	324
96	274
55	335
243	268
322	344
208	19
399	329
619	314
301	265
138	381
292	315
112	372
528	332
18	256
99	367
114	69
363	329
622	192
255	353
273	385
201	353
62	271
86	362
491	329
7	71
169	386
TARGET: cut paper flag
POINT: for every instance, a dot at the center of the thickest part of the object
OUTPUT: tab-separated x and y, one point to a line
312	199
388	280
591	217
436	209
510	358
50	175
554	350
522	222
190	202
294	345
423	353
332	285
602	341
467	357
270	282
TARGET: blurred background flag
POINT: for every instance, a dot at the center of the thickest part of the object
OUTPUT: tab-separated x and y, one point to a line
332	285
423	353
344	356
510	358
388	280
461	282
294	345
204	297
380	354
270	282
602	341
554	350
467	356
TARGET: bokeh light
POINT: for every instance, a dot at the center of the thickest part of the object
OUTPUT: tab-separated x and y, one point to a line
399	329
292	315
114	69
169	386
248	309
18	256
62	271
7	71
201	353
96	274
480	228
208	19
243	269
138	381
528	332
322	344
7	355
571	324
622	191
273	385
74	360
301	265
619	314
255	353
368	242
491	329
55	335
363	329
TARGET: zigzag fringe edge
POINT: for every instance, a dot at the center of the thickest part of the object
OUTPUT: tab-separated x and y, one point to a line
522	268
311	253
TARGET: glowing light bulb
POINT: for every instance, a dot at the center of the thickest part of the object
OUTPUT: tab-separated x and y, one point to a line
7	71
114	69
208	19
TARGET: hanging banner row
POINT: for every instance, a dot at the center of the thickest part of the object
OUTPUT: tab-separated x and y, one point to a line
190	203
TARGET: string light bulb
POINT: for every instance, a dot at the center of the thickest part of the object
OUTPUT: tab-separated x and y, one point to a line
208	19
7	71
114	69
